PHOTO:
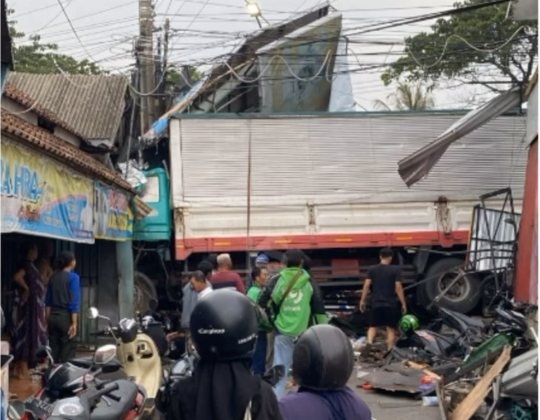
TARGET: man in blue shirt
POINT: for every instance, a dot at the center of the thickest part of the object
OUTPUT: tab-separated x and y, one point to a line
62	303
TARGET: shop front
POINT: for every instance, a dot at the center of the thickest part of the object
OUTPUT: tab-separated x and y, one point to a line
45	202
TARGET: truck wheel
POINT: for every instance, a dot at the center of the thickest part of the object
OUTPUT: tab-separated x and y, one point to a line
144	291
463	296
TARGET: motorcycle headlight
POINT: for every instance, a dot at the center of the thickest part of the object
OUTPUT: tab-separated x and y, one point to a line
69	407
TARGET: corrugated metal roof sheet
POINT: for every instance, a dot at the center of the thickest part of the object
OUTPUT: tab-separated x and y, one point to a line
17	95
92	105
55	147
417	165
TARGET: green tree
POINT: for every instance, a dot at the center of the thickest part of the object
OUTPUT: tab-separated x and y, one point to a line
174	78
486	28
43	58
407	97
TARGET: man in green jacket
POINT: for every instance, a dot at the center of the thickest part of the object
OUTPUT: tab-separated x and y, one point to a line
295	297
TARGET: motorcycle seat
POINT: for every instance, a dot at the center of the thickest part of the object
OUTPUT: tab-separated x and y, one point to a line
113	410
86	361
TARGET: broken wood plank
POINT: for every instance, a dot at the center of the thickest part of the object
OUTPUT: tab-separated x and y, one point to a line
472	402
423	368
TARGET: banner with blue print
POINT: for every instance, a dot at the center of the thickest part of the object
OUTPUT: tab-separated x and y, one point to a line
42	197
114	218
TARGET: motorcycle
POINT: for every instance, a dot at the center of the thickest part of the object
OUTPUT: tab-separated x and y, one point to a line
466	336
137	354
118	400
65	380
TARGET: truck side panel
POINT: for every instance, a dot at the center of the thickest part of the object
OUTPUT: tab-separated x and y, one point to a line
214	229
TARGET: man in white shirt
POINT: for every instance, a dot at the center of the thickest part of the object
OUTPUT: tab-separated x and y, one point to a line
199	284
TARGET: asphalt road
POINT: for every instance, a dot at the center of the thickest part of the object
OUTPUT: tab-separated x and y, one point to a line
389	406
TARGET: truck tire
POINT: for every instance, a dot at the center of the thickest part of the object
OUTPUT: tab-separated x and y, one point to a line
465	294
144	291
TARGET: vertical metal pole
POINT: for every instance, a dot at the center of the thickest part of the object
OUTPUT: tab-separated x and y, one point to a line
146	29
126	275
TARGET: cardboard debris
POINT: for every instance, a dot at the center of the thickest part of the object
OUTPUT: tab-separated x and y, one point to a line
423	368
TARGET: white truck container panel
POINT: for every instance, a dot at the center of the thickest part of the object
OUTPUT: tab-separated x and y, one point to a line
333	174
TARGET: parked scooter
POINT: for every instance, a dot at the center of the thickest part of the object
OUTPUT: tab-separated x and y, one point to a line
67	379
138	355
99	400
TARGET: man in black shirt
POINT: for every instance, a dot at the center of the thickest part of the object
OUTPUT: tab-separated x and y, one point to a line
385	283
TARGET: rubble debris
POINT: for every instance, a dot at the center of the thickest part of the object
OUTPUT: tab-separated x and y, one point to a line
467	367
473	401
393	378
441	395
493	345
521	377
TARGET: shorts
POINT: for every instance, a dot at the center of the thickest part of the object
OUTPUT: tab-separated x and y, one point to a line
384	316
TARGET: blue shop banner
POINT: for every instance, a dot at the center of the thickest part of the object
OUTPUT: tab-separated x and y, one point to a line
41	197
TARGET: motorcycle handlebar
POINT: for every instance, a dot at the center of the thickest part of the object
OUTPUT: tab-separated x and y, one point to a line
106	333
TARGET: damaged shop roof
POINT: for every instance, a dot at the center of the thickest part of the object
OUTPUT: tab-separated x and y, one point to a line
53	146
418	165
19	96
92	105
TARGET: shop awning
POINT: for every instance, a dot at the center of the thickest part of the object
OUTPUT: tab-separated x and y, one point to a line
418	165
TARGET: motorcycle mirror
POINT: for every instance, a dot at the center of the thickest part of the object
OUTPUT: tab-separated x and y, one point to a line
93	313
153	304
16	410
104	354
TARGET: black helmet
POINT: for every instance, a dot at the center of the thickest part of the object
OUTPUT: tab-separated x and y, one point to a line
323	359
224	326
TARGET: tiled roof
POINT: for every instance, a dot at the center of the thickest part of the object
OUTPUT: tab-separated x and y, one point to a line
14	93
93	105
63	151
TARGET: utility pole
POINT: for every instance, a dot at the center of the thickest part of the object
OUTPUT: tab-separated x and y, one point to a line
164	104
146	60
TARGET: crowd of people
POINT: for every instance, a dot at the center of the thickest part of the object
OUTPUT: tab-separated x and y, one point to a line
281	322
239	334
45	307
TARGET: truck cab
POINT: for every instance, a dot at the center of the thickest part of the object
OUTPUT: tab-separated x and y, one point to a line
155	192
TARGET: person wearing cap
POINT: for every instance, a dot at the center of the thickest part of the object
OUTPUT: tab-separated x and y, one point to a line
223	327
323	361
261	261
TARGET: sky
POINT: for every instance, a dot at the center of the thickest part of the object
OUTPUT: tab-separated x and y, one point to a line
205	29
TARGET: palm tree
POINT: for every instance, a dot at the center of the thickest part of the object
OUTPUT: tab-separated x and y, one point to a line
407	97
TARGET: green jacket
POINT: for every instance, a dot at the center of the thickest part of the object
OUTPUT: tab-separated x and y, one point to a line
295	312
254	293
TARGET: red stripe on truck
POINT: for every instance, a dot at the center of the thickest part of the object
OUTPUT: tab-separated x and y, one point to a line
185	247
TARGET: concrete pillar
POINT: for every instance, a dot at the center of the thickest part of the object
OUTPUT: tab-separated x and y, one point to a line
125	266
